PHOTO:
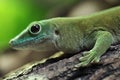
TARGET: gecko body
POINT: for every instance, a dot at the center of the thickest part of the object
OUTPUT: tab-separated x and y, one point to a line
95	33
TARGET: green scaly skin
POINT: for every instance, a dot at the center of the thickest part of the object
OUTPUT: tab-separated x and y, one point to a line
71	35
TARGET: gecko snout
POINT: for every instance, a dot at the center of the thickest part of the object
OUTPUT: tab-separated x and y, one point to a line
11	42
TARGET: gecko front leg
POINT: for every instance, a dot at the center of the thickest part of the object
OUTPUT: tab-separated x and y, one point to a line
103	41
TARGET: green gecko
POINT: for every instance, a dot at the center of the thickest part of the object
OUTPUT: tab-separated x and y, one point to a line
95	33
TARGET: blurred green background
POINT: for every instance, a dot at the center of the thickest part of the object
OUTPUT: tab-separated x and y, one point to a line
15	15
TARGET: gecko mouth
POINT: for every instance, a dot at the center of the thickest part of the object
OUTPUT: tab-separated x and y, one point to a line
27	43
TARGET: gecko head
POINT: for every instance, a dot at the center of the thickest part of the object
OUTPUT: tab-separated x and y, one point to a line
39	35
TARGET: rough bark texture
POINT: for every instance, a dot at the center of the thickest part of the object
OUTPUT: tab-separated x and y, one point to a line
64	69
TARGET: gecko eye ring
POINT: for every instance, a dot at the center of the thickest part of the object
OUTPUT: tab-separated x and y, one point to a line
35	29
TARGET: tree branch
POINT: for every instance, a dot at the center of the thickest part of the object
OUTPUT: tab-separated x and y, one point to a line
64	68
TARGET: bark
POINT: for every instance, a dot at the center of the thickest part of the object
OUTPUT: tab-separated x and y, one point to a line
63	68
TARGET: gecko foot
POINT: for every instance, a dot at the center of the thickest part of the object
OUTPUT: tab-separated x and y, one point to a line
88	57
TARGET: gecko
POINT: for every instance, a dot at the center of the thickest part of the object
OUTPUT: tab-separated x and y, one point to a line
94	33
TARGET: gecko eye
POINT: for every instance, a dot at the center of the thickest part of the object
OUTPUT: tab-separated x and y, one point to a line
35	29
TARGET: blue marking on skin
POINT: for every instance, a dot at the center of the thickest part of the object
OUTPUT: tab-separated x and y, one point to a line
26	41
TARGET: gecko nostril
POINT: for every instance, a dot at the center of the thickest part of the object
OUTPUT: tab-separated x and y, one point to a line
11	42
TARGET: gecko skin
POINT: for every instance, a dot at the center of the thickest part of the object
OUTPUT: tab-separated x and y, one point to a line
71	35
